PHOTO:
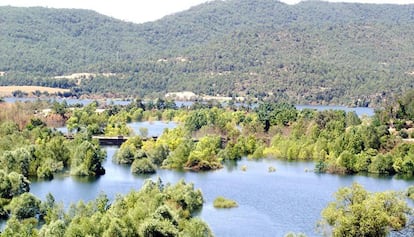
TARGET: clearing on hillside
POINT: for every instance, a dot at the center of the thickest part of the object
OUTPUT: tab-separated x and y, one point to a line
8	90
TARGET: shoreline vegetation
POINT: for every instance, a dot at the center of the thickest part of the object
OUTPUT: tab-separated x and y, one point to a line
206	136
55	93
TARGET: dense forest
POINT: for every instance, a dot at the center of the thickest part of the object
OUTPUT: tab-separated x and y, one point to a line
311	52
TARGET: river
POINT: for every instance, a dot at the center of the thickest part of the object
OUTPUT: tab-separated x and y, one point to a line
270	204
360	111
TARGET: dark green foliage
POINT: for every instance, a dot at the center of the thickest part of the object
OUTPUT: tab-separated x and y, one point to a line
308	52
271	114
87	160
17	161
177	158
129	151
19	94
143	166
381	164
157	154
35	122
24	206
12	184
196	120
155	210
406	106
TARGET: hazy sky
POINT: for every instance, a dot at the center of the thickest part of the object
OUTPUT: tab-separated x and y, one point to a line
143	10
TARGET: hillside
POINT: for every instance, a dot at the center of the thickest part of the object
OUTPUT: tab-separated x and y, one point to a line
312	52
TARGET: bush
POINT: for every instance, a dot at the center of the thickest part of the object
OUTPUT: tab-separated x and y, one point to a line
222	202
410	192
291	234
403	134
143	166
24	206
357	212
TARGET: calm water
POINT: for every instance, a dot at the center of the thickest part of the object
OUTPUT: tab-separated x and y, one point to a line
155	128
270	204
360	111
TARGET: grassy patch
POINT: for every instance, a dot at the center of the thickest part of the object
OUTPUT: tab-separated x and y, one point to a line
8	90
222	202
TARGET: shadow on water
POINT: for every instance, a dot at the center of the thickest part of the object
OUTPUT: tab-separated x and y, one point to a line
230	165
86	179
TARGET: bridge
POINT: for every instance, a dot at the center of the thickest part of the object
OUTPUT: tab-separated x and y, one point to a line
118	140
112	141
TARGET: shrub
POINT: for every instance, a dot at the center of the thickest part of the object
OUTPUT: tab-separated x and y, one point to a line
143	166
222	202
410	192
403	134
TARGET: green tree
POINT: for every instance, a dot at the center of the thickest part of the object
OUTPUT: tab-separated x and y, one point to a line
24	206
129	151
270	114
347	160
177	158
87	160
204	155
17	161
196	120
12	184
143	166
357	212
20	228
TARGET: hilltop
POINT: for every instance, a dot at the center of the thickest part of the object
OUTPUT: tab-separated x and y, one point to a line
312	52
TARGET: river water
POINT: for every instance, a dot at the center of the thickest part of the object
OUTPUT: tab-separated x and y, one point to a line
270	204
360	111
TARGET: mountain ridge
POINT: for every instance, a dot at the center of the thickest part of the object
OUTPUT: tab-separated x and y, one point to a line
312	52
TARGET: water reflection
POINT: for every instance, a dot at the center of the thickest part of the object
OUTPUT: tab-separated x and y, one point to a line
270	203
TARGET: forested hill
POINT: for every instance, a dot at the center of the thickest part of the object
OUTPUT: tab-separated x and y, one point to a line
309	52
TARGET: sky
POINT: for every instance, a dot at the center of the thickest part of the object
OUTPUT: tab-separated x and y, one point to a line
140	11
